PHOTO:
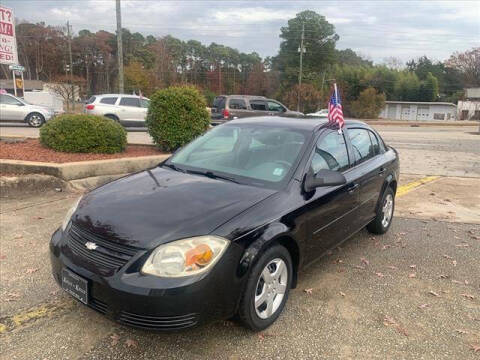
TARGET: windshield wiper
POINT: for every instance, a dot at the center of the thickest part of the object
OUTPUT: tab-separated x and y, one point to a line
212	175
174	167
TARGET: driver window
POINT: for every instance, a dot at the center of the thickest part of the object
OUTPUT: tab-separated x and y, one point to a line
330	153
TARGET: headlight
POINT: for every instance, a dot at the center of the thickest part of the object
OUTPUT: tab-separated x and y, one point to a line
185	257
70	213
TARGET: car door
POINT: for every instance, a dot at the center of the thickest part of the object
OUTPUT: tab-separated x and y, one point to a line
237	108
331	209
11	109
130	110
259	107
369	171
275	108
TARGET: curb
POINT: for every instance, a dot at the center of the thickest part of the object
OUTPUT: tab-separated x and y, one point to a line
82	169
30	184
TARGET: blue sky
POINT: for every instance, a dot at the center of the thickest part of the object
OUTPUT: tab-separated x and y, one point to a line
375	29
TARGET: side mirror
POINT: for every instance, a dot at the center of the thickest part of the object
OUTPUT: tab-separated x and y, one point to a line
323	178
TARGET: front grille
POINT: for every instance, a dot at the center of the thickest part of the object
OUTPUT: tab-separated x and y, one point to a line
158	322
98	305
107	255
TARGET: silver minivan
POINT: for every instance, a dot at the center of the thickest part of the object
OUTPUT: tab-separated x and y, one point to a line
129	110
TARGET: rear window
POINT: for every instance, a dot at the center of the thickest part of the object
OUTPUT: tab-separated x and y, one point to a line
219	103
91	100
109	100
237	104
130	101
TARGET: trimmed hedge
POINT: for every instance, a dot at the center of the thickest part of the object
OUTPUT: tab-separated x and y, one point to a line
176	116
75	133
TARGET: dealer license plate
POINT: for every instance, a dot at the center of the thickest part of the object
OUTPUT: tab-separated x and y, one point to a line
75	285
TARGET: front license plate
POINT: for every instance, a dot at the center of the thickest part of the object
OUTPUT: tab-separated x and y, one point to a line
75	285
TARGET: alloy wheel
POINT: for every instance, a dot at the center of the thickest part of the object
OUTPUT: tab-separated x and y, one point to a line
35	120
271	288
387	210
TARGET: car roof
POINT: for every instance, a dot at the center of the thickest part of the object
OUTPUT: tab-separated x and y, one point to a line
117	95
312	124
243	96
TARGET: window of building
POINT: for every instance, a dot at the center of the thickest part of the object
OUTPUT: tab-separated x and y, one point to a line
464	115
237	104
330	153
438	116
130	101
109	100
476	115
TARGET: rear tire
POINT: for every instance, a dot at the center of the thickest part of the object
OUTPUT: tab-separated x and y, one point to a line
35	120
113	117
267	289
383	220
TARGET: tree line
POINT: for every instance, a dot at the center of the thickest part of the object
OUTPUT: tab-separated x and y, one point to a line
158	62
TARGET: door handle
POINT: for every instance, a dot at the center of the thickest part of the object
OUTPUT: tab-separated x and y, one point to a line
352	188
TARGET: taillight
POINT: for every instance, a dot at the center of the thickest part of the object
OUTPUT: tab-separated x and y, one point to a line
226	114
90	107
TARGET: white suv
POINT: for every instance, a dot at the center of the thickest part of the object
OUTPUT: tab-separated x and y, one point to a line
129	110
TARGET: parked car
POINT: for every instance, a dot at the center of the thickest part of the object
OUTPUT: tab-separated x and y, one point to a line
224	226
129	110
15	109
319	114
228	107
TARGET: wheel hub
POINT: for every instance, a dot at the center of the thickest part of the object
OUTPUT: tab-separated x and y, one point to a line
271	287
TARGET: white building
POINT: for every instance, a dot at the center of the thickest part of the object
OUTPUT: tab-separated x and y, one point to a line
418	111
469	109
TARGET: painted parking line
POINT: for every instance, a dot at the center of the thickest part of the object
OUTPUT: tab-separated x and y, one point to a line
404	189
22	318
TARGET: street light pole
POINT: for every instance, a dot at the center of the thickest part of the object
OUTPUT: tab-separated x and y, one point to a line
119	48
71	65
301	49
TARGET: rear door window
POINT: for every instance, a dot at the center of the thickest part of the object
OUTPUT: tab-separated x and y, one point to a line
109	100
144	103
130	101
91	100
9	100
362	145
237	104
260	105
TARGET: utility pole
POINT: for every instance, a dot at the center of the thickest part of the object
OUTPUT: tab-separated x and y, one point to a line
301	50
119	48
71	64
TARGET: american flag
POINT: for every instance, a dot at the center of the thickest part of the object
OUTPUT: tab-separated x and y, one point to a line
335	112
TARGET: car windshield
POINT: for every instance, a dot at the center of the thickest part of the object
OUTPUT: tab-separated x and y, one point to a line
254	154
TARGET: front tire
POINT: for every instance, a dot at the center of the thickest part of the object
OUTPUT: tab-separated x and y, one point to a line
383	220
267	289
35	120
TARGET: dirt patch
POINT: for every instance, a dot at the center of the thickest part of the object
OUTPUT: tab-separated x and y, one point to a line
447	199
32	150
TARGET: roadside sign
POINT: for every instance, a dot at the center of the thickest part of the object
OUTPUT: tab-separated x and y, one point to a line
18	68
8	41
19	83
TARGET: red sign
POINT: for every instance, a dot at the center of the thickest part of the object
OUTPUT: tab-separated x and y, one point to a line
8	41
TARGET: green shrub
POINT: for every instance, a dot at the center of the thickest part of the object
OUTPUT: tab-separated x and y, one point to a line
83	134
369	104
176	116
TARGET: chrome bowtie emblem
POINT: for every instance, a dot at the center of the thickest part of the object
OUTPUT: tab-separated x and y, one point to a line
91	245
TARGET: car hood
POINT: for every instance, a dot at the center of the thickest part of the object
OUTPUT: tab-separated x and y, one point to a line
161	205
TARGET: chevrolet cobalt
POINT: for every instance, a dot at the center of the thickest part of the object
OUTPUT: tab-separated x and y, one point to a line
224	226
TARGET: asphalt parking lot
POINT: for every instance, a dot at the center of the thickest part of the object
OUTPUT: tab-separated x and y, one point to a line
413	293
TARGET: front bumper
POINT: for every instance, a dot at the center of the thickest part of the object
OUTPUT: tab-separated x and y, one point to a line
150	302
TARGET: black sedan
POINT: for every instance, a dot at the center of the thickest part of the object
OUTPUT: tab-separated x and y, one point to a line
224	226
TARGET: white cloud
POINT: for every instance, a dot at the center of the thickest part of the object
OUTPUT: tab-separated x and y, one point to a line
251	15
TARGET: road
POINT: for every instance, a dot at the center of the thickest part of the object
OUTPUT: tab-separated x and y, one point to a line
412	293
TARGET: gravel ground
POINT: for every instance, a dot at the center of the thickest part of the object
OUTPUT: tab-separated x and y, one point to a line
32	150
413	293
